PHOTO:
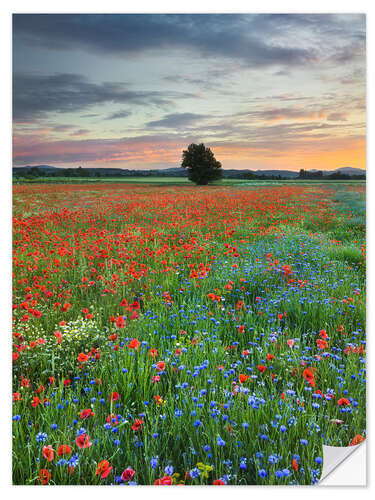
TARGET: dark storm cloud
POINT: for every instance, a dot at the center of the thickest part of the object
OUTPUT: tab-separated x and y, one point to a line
176	120
36	95
242	37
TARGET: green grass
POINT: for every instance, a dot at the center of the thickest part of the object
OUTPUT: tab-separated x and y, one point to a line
179	180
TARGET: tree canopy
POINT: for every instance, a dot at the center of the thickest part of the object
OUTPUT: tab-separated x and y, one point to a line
201	164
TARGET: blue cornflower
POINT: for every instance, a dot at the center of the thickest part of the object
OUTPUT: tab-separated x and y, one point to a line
273	459
220	441
206	448
197	423
73	461
262	473
194	473
154	462
41	437
318	460
168	470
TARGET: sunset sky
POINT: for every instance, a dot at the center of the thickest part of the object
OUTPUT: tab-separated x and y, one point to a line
274	91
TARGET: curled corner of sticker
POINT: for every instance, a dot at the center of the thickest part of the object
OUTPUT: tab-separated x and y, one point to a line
333	456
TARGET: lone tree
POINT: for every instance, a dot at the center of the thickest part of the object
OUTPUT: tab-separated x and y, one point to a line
201	164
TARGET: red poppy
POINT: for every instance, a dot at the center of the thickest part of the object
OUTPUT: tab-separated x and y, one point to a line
120	322
164	481
25	382
44	476
343	402
137	425
322	344
115	396
58	337
86	413
158	400
160	366
323	334
261	368
127	474
103	469
48	453
82	357
36	401
83	441
309	376
358	438
134	344
219	482
243	378
64	449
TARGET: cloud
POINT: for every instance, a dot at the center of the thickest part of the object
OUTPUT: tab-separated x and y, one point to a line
147	148
233	36
176	120
288	114
119	114
34	96
81	131
236	142
61	128
337	117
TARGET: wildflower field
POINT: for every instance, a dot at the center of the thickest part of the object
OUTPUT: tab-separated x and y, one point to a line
186	335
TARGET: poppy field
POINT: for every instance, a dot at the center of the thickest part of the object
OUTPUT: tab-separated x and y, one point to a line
186	335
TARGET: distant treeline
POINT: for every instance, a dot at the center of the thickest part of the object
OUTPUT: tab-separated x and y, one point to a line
305	174
35	172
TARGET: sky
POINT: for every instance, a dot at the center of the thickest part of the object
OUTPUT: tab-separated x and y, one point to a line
263	91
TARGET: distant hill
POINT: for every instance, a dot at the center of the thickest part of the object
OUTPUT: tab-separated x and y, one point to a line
49	170
349	171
